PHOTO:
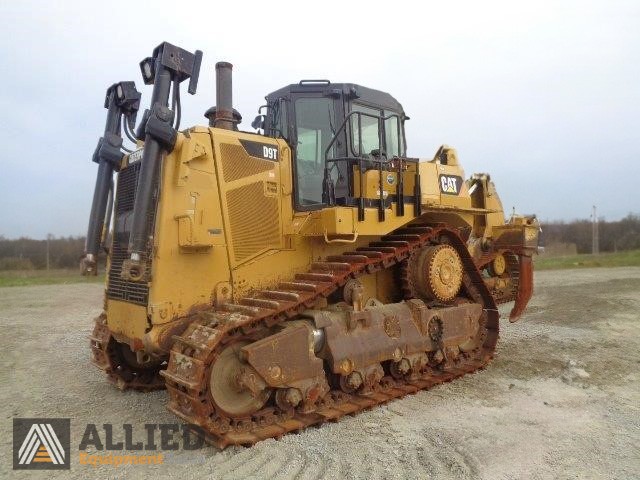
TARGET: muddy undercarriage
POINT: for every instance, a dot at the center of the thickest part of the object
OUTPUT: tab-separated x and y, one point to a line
290	357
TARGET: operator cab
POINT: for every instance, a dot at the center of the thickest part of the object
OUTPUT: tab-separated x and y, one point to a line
332	127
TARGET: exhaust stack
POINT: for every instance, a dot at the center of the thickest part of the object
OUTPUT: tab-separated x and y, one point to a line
224	117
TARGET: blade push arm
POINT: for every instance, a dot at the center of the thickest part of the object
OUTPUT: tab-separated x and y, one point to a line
122	99
168	66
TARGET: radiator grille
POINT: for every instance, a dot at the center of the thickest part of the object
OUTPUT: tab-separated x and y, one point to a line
127	185
236	163
253	219
118	288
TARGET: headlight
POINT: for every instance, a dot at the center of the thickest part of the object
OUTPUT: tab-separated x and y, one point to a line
148	70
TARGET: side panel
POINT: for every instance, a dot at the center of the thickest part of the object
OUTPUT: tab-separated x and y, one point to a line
445	195
190	251
493	202
248	170
254	175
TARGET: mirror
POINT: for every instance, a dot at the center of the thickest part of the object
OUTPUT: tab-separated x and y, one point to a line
258	122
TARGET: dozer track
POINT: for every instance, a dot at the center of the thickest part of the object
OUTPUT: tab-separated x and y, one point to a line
120	366
252	318
512	273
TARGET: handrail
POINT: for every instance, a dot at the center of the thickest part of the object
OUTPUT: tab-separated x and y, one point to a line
380	119
328	187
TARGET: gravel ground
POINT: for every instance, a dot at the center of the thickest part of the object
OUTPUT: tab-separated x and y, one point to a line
561	399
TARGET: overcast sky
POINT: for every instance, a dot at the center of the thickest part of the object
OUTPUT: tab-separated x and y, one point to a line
545	96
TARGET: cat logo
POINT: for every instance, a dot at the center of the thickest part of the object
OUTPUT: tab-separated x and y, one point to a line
41	443
450	184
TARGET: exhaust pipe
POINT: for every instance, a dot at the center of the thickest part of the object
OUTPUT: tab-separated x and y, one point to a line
224	117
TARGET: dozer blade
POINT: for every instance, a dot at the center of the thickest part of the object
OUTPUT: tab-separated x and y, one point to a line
525	288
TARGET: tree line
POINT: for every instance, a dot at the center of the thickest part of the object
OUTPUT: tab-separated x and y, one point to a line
29	254
65	252
612	236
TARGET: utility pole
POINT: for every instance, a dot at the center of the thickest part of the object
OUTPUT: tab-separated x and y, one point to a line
48	238
595	245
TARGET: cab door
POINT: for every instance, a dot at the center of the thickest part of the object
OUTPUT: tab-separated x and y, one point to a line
316	118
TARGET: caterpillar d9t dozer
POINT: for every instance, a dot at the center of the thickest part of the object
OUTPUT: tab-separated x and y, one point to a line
276	280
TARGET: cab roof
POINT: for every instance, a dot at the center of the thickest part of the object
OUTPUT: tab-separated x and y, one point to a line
350	91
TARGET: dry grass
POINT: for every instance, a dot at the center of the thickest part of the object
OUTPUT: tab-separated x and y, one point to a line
21	278
629	258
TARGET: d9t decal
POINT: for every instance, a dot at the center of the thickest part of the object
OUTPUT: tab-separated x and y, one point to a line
261	150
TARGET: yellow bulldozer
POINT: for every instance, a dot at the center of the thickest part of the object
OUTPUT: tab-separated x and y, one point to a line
275	280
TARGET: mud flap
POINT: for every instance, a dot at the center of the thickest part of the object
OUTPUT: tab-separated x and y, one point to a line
525	288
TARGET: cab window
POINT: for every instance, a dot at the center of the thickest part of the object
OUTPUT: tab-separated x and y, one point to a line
393	138
315	118
369	127
281	124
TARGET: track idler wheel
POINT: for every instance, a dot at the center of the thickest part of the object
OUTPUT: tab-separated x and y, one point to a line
498	266
236	389
436	272
129	370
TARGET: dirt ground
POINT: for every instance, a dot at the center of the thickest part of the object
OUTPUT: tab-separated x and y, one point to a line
561	399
